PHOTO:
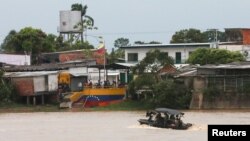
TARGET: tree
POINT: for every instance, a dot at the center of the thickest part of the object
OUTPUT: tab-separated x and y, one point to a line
29	40
188	36
210	36
8	43
139	43
142	43
121	42
153	62
171	94
204	56
118	53
7	90
87	22
233	35
154	42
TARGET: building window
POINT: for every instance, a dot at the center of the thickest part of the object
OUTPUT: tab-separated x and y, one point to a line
133	57
178	57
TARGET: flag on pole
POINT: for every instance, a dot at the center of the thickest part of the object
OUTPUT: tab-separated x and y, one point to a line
101	49
99	54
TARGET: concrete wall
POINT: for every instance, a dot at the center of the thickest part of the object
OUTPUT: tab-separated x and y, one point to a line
226	100
197	98
239	48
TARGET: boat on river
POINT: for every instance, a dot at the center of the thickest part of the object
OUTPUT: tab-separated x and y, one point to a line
165	118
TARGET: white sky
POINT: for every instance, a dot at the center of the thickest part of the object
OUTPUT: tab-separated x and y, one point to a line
144	20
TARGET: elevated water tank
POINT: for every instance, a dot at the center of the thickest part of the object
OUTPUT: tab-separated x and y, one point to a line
69	20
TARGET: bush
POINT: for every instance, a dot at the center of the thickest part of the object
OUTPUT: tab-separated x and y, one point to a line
171	94
7	91
144	81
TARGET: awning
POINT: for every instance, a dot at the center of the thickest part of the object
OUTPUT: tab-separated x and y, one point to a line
114	66
29	74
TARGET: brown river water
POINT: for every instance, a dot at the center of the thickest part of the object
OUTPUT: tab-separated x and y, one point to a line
108	126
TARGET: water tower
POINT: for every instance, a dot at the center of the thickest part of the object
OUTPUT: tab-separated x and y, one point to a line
69	27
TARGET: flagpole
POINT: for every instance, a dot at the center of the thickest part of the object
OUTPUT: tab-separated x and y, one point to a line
104	61
104	57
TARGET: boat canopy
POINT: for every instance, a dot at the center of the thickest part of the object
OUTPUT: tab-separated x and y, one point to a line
169	111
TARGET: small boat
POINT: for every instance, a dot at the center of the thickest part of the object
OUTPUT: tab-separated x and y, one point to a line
165	118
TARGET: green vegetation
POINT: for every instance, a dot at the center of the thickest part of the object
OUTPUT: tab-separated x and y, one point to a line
30	41
7	91
34	41
188	36
204	56
193	35
87	22
152	63
153	89
171	94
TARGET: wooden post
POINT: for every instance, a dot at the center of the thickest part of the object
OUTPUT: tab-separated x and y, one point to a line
42	99
34	100
28	100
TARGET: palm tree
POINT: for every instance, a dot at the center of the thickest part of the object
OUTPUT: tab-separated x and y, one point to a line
87	22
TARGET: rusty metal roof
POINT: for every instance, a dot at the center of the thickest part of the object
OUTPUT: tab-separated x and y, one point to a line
49	67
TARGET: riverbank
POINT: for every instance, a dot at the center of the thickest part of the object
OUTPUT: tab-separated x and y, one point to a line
22	108
122	106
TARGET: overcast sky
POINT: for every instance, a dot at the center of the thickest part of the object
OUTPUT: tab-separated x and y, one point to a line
143	20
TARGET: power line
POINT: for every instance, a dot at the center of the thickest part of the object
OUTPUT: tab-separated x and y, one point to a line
133	33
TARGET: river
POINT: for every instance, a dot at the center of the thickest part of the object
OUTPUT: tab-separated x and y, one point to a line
108	126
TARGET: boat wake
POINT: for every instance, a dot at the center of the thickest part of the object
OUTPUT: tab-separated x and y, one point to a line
196	127
142	126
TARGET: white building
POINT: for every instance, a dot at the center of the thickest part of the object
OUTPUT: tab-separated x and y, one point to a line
179	52
14	59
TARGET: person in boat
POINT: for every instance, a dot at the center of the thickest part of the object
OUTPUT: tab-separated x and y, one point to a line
159	120
150	115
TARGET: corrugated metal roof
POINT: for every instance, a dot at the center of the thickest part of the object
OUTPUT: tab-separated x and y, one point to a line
127	64
168	45
50	67
225	66
29	74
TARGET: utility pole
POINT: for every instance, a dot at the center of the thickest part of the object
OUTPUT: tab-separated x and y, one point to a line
215	36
